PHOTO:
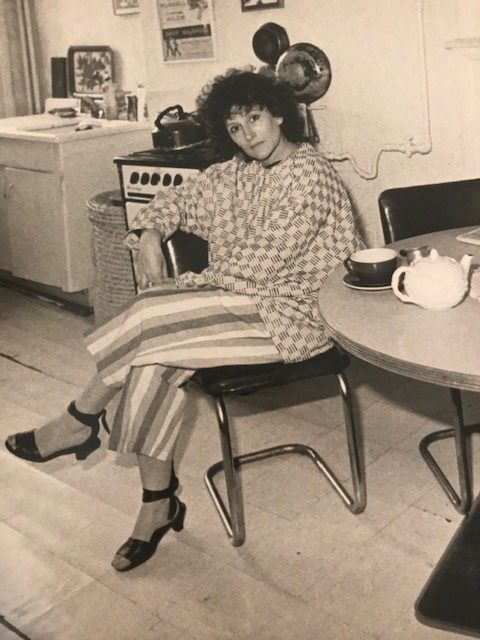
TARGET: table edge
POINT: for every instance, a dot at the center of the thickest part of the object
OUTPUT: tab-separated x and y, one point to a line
444	378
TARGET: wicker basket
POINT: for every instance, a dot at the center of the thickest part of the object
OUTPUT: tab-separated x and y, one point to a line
114	285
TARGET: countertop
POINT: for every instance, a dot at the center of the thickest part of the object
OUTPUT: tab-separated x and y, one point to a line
48	128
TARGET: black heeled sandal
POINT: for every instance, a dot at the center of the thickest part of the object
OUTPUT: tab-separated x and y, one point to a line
138	551
25	447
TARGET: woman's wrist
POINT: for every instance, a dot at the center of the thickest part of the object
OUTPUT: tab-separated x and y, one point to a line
149	233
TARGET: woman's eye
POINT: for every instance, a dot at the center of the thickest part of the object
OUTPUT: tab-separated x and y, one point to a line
254	117
233	130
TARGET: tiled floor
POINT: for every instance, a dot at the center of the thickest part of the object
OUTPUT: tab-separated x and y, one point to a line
309	570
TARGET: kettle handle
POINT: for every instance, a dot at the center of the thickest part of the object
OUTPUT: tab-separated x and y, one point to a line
162	114
395	281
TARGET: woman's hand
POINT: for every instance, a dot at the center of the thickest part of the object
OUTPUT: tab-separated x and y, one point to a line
151	267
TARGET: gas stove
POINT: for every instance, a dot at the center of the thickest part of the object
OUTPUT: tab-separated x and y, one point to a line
143	173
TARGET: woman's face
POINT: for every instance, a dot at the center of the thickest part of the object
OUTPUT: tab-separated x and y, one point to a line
257	133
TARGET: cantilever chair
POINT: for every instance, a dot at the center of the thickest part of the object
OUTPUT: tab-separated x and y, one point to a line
411	211
188	252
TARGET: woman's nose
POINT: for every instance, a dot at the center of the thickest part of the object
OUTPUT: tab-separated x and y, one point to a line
249	133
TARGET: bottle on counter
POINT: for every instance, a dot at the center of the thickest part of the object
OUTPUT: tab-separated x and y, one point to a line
122	105
110	99
115	101
142	107
132	107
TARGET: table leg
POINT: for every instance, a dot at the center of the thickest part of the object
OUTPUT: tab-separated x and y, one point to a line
463	501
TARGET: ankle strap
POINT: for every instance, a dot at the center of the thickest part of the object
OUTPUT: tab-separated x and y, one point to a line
151	496
89	419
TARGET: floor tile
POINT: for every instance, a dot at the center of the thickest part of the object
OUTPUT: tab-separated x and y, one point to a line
407	627
420	534
302	622
371	588
75	619
389	423
33	579
33	390
69	364
400	476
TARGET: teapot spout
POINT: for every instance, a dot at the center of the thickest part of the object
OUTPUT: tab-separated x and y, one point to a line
465	263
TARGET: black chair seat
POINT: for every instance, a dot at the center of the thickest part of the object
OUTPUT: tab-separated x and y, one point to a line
245	379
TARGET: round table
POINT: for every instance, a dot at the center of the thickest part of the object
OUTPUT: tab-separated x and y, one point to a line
441	347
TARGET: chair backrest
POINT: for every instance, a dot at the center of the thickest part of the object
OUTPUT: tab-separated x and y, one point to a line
412	211
185	252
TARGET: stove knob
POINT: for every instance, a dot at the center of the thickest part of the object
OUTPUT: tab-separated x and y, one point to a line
155	179
177	180
145	179
134	177
167	180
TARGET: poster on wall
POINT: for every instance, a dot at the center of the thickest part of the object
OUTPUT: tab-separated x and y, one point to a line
187	30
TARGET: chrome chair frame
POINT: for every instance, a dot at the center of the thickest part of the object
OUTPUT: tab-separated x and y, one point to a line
233	518
188	252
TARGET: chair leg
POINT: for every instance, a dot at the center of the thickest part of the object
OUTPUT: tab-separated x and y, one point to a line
233	518
460	431
233	523
355	452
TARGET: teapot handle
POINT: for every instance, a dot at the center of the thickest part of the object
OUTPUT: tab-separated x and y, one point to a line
395	280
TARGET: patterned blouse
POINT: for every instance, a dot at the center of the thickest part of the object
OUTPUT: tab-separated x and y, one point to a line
274	234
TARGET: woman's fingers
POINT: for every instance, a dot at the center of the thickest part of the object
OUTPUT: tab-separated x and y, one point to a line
150	260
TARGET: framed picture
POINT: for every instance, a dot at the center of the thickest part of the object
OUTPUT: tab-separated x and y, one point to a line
255	5
88	69
122	7
187	30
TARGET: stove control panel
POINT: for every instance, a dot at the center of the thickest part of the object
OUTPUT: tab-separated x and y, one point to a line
142	182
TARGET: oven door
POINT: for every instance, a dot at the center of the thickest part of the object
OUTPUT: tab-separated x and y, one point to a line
132	209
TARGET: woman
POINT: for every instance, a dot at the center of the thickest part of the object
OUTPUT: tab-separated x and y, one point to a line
278	220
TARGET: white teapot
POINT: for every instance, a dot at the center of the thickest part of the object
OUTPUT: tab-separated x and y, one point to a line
434	281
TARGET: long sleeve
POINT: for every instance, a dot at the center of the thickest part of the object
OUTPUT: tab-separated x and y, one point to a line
302	239
189	207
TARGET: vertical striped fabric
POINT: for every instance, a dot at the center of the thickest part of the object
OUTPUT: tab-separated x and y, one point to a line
154	346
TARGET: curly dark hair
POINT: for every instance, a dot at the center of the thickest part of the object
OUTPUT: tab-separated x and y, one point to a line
246	89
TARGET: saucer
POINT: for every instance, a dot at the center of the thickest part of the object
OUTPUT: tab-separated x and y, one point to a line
353	282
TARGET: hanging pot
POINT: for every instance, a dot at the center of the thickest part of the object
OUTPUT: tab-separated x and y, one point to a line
307	70
177	129
269	42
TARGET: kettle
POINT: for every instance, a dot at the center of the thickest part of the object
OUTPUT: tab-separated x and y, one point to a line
177	129
433	281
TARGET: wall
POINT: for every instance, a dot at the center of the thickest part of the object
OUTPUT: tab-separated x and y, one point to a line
395	85
63	23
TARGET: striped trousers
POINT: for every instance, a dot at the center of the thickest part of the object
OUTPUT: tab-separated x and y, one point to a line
154	346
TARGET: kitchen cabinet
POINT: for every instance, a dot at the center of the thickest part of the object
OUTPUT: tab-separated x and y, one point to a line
46	178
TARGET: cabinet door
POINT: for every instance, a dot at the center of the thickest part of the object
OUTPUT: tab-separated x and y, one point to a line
35	225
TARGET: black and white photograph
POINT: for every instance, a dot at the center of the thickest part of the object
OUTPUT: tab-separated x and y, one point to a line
89	68
252	5
125	7
239	311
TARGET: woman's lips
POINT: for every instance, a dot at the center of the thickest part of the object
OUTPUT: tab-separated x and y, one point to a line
256	145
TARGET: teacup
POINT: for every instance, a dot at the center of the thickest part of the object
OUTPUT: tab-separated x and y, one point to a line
372	266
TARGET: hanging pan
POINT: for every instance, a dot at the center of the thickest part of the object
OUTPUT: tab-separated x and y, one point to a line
307	70
269	42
